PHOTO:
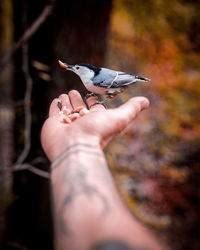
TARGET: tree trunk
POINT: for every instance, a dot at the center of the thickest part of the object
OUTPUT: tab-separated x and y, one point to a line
80	35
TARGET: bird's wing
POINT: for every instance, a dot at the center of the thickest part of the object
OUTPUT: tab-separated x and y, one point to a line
112	79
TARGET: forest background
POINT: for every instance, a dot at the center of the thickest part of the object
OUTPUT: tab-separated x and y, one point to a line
155	162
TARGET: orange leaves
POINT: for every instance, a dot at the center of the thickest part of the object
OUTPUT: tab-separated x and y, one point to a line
154	38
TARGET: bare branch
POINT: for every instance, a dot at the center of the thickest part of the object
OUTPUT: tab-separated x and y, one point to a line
25	166
32	169
27	101
38	159
28	33
27	98
27	108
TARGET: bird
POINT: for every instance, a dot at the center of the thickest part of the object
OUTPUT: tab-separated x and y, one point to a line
103	81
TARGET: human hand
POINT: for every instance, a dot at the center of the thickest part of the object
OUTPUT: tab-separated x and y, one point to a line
98	126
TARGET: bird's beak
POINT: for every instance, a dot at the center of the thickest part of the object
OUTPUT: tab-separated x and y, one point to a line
65	65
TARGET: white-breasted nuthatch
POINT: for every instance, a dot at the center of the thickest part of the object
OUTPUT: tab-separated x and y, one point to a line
103	81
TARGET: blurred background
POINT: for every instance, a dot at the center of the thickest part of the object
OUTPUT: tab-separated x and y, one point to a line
155	161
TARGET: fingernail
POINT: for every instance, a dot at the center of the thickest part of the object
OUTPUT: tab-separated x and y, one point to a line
59	105
146	102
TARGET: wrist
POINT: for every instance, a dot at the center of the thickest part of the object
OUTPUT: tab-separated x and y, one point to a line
72	141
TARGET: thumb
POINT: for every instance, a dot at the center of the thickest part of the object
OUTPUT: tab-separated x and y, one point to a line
129	110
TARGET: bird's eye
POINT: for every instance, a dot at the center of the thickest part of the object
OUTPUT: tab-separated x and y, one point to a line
77	67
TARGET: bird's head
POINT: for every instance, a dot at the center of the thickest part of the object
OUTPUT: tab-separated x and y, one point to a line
83	70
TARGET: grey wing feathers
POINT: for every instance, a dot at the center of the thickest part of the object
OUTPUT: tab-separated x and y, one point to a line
112	79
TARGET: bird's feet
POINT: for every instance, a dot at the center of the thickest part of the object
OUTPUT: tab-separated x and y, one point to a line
99	102
103	102
88	95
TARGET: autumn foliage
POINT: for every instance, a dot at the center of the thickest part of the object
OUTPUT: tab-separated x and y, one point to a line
156	162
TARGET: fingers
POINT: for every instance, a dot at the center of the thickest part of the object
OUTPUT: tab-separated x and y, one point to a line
54	109
76	99
65	101
91	103
132	107
129	110
71	102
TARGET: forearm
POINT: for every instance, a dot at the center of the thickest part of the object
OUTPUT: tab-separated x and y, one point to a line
87	207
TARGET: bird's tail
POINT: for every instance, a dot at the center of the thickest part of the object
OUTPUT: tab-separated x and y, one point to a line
142	79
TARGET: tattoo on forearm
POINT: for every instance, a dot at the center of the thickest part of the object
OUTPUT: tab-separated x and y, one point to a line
78	186
75	177
83	147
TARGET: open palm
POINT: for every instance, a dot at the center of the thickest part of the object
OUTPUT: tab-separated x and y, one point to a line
98	126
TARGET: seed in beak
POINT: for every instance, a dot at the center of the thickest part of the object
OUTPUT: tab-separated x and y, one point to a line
63	65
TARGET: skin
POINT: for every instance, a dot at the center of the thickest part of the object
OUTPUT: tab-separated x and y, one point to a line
87	208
